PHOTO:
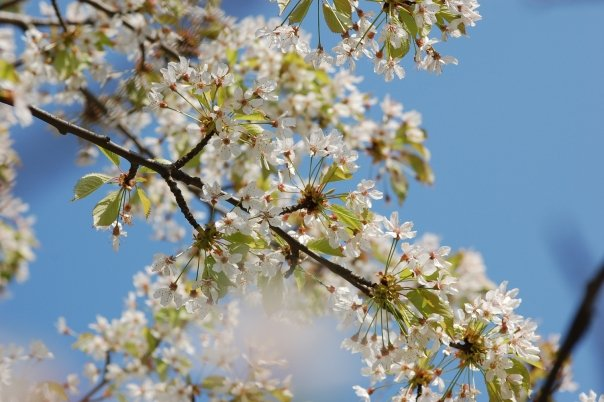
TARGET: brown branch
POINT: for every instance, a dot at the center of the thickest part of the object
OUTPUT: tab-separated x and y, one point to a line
581	322
110	13
360	283
9	4
182	203
102	383
25	21
169	174
194	151
92	98
59	16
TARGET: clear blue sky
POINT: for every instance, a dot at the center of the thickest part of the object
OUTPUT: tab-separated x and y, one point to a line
516	135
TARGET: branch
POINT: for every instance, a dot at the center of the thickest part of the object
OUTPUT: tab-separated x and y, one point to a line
167	173
102	383
580	325
196	149
182	203
92	98
25	21
59	16
10	3
110	13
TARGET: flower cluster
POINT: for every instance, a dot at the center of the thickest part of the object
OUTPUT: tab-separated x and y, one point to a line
17	238
384	35
259	138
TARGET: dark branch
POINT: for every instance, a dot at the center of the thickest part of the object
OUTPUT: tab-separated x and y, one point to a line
25	22
9	4
360	283
196	149
96	102
102	382
182	203
577	330
110	12
169	175
131	172
59	16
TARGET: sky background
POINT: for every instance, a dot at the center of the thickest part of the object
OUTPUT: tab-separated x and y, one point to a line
516	138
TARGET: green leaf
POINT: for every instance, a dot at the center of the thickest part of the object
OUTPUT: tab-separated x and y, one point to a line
145	201
399	52
212	381
282	395
113	158
520	368
258	116
65	62
89	184
323	246
252	129
7	72
247	240
83	340
399	183
300	278
494	392
300	11
428	302
107	209
161	367
343	6
335	20
57	389
408	22
346	216
282	5
422	168
335	173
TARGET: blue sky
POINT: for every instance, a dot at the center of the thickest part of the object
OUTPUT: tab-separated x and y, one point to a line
516	138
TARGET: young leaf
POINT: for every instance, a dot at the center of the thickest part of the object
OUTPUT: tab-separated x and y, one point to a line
323	246
335	20
519	368
346	216
300	11
113	158
335	173
399	183
107	209
145	202
421	168
300	277
408	21
494	391
428	302
89	184
282	5
344	7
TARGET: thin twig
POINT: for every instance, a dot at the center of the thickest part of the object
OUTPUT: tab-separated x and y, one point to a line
110	13
25	22
194	151
59	16
9	4
182	203
165	171
581	322
131	172
92	98
102	382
